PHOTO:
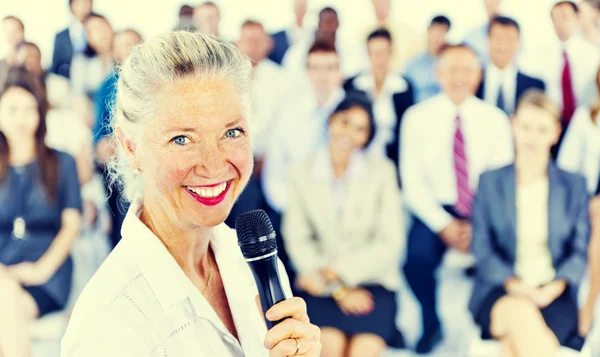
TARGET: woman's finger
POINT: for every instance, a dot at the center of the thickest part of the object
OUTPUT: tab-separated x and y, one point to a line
294	308
287	348
289	329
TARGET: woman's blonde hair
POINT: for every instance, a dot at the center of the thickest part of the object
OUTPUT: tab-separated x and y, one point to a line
538	99
154	64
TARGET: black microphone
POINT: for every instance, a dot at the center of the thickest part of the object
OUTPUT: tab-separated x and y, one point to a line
256	239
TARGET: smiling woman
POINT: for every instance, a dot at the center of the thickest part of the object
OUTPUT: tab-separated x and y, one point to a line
177	283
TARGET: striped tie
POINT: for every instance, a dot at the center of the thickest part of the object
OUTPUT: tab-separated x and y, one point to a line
465	196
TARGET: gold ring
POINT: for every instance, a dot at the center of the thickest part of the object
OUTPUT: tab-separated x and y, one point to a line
297	347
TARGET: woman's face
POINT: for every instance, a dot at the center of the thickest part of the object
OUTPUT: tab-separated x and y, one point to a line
535	131
19	115
349	130
99	35
196	156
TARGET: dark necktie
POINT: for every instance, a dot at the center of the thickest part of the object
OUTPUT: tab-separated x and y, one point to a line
568	93
597	188
500	100
464	200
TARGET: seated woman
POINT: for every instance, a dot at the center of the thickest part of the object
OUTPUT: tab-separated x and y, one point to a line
343	231
530	239
580	153
40	215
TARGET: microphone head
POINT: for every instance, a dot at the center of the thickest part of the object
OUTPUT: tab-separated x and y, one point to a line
256	236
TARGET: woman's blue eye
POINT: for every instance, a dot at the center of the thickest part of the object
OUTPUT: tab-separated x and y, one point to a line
179	140
233	133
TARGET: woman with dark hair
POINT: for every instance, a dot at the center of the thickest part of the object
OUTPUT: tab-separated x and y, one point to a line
40	215
344	215
580	153
90	68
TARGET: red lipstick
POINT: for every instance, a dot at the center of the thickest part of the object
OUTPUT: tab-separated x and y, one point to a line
210	201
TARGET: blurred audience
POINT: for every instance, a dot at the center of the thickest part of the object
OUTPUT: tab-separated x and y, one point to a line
352	56
446	145
344	213
531	258
40	215
503	83
295	34
390	93
91	67
72	40
589	19
477	39
207	18
13	31
420	70
186	19
580	153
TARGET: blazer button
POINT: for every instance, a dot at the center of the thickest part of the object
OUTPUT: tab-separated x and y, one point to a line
19	228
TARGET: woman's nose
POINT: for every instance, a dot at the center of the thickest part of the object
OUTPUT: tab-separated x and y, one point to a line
211	162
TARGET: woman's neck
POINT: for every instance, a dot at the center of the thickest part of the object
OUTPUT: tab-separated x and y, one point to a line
22	151
189	248
379	81
531	169
339	161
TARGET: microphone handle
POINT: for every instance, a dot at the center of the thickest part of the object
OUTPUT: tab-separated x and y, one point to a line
266	275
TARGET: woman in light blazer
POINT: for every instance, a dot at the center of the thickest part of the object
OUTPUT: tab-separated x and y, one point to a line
580	153
530	239
344	234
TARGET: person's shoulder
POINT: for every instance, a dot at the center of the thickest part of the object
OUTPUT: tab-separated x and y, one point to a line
494	175
65	160
63	34
573	179
425	110
489	112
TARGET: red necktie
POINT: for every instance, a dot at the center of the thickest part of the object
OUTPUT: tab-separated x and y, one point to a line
464	201
568	94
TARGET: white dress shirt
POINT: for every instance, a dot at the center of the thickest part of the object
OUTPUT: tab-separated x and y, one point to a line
268	90
494	79
580	149
140	303
88	74
301	129
584	59
77	35
427	162
534	260
383	107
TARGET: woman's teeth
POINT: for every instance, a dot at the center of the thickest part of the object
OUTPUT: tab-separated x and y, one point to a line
208	192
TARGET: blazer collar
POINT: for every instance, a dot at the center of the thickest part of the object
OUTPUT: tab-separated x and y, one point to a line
394	83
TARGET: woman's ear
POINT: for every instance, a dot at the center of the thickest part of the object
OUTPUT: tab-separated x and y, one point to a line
130	149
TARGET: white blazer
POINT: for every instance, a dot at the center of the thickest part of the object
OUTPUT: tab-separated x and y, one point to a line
140	303
364	243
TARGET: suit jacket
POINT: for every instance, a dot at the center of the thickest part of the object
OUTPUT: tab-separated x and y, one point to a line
364	242
495	233
280	46
63	54
402	101
524	82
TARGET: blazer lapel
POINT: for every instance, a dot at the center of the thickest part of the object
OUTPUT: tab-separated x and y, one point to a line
510	209
556	205
355	189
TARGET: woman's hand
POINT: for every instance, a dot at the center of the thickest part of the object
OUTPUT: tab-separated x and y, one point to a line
515	286
329	275
28	273
314	284
546	295
356	302
295	335
586	317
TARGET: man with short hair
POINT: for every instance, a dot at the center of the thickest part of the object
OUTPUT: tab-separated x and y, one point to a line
13	32
207	18
447	142
478	38
503	83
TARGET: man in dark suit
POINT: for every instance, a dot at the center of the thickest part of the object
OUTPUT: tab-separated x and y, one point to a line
71	40
284	39
503	84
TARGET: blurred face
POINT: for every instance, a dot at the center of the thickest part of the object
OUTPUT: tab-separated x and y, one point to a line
382	9
535	131
323	69
504	45
254	42
207	19
492	7
81	8
100	35
13	32
196	156
565	21
124	43
349	130
19	116
328	23
380	54
436	37
31	59
459	73
588	15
